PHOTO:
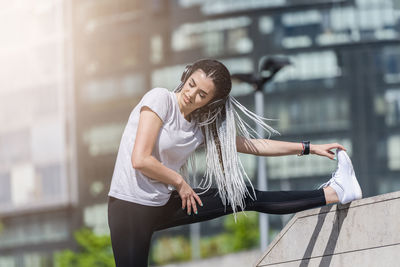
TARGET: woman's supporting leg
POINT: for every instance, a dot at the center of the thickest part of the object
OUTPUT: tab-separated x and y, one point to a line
273	202
131	228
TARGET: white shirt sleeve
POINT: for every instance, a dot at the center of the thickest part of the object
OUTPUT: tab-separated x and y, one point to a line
158	100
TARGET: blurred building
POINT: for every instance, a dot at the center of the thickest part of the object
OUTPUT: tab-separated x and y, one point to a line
37	140
94	60
342	86
112	64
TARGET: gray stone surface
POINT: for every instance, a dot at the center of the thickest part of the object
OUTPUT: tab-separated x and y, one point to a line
377	257
365	232
244	258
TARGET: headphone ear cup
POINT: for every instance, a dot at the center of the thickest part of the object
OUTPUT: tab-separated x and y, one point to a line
186	73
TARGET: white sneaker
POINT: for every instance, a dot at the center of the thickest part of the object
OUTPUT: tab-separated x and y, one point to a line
344	180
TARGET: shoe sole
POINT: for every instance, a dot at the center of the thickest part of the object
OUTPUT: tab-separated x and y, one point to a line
356	185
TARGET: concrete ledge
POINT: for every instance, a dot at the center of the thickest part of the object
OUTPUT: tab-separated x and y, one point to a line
365	232
239	259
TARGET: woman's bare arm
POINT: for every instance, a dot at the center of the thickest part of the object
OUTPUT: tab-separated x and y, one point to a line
268	147
142	160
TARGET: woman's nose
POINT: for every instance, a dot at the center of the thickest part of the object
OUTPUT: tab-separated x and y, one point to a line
192	93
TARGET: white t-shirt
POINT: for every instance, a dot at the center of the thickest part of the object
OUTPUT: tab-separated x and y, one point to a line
178	138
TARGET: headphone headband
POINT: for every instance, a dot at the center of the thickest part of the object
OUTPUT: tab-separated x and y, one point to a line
186	73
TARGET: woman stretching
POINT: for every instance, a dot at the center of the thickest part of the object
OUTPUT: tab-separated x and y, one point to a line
150	190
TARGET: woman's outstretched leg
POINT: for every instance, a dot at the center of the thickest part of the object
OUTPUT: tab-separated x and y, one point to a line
273	202
285	202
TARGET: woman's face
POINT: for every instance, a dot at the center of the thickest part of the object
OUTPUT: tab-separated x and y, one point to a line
197	91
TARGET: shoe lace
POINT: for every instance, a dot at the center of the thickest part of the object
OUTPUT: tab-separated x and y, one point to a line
330	180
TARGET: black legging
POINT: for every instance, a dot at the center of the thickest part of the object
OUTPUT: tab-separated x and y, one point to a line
132	225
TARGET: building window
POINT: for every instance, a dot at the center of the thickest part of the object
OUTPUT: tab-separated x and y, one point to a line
301	18
156	49
48	142
393	151
239	41
37	259
34	229
266	25
392	99
189	3
213	43
222	6
95	217
296	41
310	114
50	180
5	189
391	64
110	88
209	35
168	77
310	66
15	147
24	184
8	261
103	139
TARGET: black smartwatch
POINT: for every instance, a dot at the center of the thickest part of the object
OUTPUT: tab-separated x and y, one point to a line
306	148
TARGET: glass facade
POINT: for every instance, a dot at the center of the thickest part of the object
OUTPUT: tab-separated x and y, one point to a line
103	139
309	114
34	229
43	231
34	140
214	37
342	84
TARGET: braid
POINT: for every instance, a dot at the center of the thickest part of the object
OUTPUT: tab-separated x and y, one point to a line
213	127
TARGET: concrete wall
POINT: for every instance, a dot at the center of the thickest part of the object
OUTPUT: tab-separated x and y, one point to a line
365	232
240	259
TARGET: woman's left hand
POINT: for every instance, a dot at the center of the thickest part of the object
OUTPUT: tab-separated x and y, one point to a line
324	149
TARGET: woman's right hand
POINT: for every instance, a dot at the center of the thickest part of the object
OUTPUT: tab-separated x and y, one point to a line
189	197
